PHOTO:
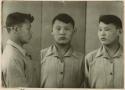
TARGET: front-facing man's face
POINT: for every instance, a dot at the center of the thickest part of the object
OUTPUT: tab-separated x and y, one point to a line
62	32
24	32
107	33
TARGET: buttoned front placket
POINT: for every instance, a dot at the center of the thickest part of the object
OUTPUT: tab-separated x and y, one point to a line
60	77
110	73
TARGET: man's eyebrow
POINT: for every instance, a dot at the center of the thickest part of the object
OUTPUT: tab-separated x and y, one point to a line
106	27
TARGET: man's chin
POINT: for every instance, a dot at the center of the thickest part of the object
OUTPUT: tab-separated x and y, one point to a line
105	43
62	43
26	42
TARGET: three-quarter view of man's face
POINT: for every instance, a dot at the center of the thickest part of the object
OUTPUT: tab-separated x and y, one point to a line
62	32
107	33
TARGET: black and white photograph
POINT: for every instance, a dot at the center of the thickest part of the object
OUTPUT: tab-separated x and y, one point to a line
62	44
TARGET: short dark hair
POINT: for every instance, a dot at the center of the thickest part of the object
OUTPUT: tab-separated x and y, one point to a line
111	19
64	18
17	18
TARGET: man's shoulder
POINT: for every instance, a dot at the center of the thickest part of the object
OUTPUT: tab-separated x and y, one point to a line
43	51
10	51
91	54
11	57
78	54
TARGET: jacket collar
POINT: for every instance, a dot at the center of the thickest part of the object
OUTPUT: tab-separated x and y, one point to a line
12	43
52	50
102	52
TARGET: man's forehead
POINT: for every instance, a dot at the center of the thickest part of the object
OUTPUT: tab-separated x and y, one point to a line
59	22
102	24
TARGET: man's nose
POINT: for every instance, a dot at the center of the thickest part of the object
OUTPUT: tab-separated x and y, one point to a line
31	33
103	33
62	31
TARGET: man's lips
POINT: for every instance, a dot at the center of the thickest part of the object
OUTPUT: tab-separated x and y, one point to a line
103	39
62	38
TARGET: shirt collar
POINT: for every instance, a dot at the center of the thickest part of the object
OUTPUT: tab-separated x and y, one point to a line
53	51
102	52
119	52
10	42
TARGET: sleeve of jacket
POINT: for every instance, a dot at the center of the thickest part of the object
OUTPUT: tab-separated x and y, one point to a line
86	84
83	71
42	55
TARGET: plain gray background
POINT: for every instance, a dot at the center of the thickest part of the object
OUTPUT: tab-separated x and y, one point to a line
85	14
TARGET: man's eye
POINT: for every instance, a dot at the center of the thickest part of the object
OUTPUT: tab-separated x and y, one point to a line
107	29
67	29
58	28
100	29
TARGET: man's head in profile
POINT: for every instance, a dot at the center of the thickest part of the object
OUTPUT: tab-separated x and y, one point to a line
19	26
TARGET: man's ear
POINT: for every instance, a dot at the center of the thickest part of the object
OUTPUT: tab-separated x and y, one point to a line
51	32
15	28
75	29
120	31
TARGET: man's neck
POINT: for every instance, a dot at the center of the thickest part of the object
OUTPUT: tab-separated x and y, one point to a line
62	49
112	48
16	41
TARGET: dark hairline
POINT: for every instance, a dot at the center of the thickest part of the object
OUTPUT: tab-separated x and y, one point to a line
61	21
